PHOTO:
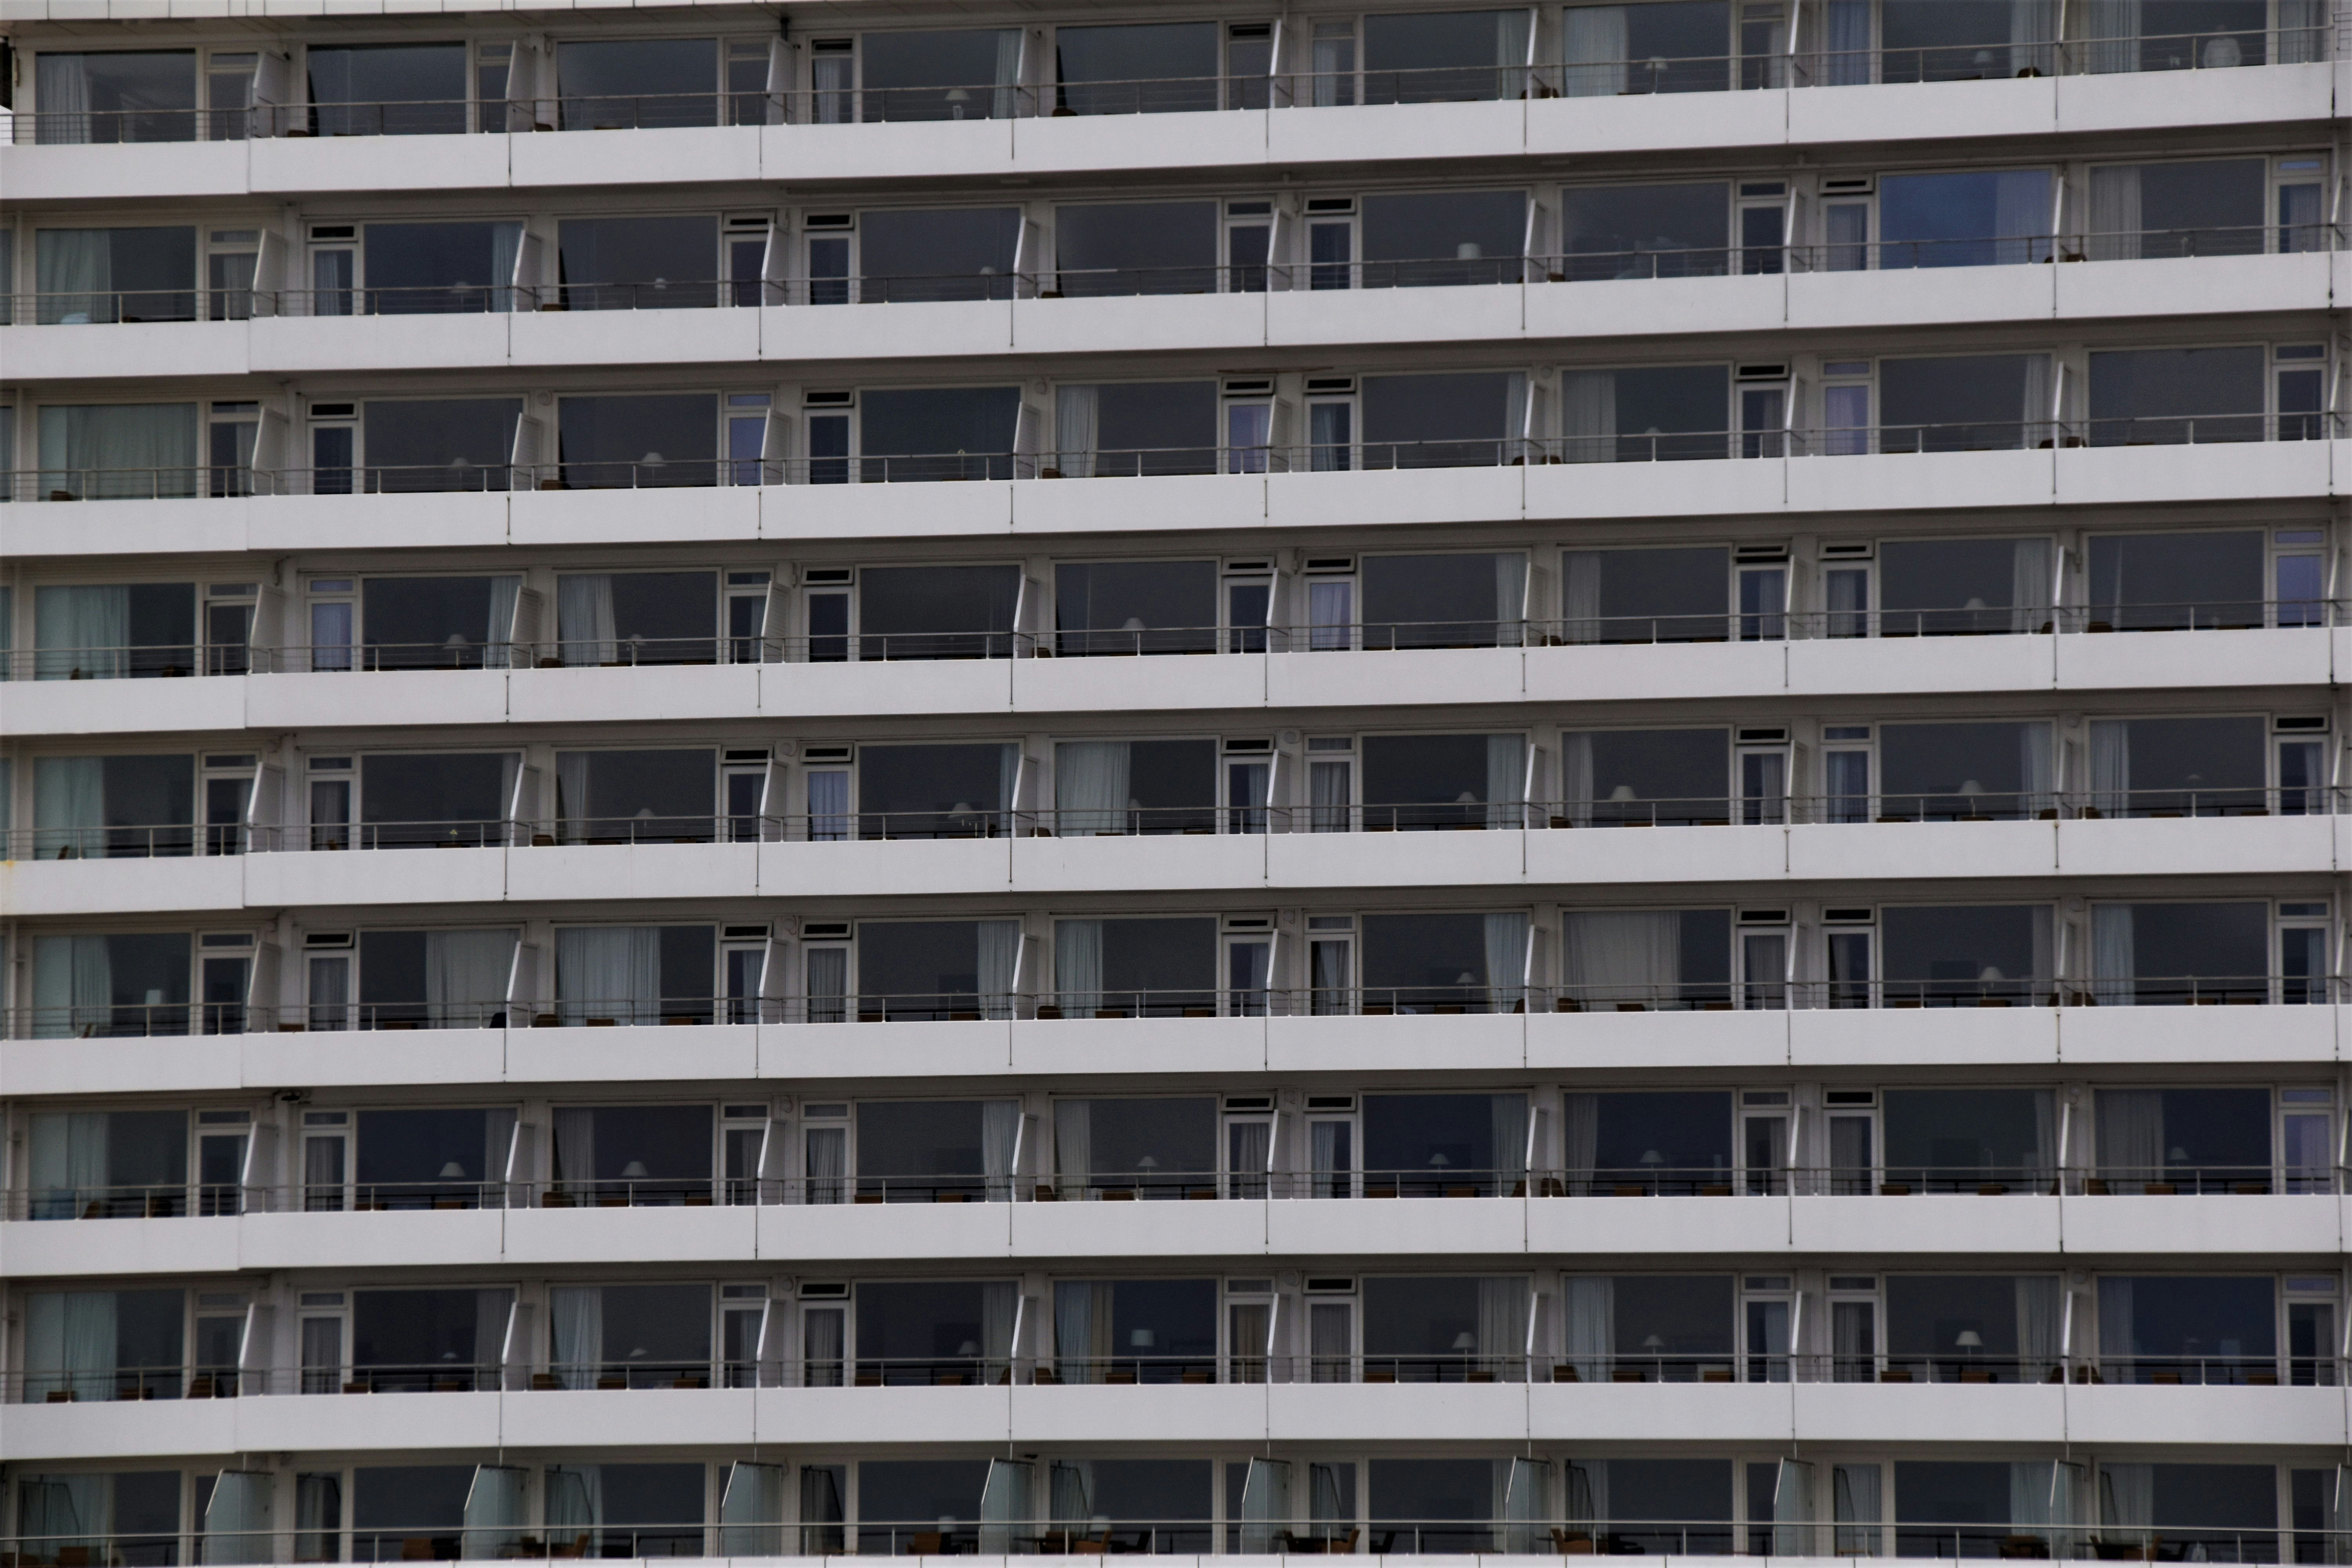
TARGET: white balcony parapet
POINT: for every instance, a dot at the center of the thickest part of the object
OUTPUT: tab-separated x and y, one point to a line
1768	485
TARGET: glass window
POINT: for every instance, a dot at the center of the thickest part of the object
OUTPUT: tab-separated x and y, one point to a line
388	89
1145	69
960	75
637	83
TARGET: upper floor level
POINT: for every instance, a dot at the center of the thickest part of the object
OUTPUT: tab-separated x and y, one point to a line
230	288
260	111
1287	1494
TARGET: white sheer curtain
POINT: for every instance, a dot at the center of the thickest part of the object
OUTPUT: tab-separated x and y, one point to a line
1579	601
1858	1508
2032	24
1593	44
466	974
2045	951
1335	64
1081	1330
2126	1493
2111	28
1073	1146
1077	420
68	807
2131	1138
1514	407
498	1142
61	83
1620	957
498	639
2037	1329
828	805
1000	953
1247	1144
1576	777
2114	964
1580	1141
2045	1136
2115	216
1077	967
1511	47
1008	786
1002	105
69	1344
1587	408
68	1160
1847	45
1588	1493
1070	1491
492	1309
608	971
998	1302
73	271
586	630
1090	787
999	1134
1507	959
81	633
505	247
1510	599
2029	586
1503	1327
575	1508
2034	743
2110	766
136	450
1506	781
73	985
576	1316
575	1146
2302	39
1591	1326
572	795
1331	1179
2035	414
1330	615
1507	1120
826	1161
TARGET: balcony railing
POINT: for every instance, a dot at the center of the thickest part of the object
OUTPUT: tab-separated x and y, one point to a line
1469	268
969	1366
42	1204
191	481
156	841
168	661
1290	1535
444	1541
1999	58
113	1021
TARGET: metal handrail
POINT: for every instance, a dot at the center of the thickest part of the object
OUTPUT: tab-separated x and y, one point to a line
2026	1178
167	840
1993	58
106	1021
441	1540
189	481
974	1368
196	303
126	841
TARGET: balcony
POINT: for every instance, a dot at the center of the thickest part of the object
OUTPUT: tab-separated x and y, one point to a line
1691	84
